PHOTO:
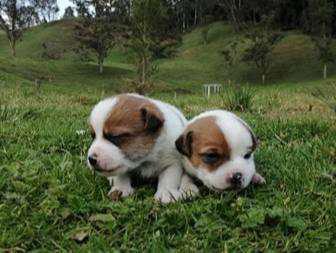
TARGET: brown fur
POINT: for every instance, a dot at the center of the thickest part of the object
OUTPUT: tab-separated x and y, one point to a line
206	137
138	123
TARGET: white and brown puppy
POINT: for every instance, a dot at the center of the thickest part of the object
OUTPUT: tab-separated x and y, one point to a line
132	133
218	149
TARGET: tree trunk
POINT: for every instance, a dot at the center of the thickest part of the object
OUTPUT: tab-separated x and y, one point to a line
183	23
13	48
195	16
325	68
101	64
263	78
142	70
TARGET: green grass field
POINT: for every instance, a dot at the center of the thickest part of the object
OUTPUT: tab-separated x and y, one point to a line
49	198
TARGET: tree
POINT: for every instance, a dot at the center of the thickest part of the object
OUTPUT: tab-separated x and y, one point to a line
149	27
97	28
232	56
326	55
234	12
261	41
11	21
29	16
320	14
68	13
47	9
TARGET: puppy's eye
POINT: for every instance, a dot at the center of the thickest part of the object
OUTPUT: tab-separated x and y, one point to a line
93	135
247	156
115	139
210	158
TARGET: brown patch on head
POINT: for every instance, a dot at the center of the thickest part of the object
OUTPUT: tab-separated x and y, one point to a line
204	144
133	125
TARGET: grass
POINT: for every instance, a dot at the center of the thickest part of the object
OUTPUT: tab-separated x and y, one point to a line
51	202
49	198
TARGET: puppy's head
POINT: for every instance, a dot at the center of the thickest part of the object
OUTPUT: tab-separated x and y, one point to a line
218	149
124	131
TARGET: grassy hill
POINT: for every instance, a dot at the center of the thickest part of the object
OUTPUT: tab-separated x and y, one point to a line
194	64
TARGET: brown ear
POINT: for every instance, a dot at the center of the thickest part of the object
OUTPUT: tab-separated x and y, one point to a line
184	144
152	119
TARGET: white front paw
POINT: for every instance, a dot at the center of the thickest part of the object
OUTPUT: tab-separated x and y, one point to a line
120	192
168	195
189	190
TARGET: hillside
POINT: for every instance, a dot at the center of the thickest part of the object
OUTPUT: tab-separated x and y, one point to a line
193	65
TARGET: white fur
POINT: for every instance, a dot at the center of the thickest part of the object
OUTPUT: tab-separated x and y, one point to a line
163	161
240	141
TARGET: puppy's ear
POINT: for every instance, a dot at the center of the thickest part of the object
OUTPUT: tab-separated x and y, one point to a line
184	144
255	140
152	118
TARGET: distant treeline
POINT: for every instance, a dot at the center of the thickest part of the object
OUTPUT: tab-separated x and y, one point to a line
288	14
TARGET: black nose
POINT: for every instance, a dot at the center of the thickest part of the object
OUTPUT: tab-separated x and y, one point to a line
236	179
92	160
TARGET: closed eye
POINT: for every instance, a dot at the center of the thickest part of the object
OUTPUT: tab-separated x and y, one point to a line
115	139
248	155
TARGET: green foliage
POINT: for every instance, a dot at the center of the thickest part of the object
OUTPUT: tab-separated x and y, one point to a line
325	51
97	30
12	21
321	15
68	13
262	41
239	98
148	26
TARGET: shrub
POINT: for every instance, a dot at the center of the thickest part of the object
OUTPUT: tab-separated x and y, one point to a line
239	98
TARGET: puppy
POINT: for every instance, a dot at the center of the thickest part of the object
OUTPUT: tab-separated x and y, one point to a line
133	134
218	149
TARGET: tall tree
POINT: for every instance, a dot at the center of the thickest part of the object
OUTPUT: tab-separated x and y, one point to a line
68	13
29	16
261	41
149	26
234	12
97	27
12	21
47	9
321	16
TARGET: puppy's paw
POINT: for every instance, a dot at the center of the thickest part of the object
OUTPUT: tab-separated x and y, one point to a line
257	179
116	193
168	196
189	190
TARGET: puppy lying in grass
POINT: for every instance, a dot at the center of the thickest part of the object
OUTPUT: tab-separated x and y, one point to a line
133	134
218	147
